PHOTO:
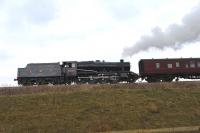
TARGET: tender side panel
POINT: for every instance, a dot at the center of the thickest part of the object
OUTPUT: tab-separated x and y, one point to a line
40	70
40	73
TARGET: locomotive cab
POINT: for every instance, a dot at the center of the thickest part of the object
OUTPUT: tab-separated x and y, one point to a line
69	71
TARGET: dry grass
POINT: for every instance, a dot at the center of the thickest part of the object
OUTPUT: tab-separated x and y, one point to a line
68	88
98	108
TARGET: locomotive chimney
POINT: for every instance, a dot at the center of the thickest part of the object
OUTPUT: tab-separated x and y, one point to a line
122	61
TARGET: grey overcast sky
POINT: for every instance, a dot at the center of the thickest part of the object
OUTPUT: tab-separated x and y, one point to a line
33	31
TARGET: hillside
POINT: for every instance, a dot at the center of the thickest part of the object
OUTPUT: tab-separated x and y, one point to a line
98	108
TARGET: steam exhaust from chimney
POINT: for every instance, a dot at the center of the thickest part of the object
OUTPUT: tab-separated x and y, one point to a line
175	36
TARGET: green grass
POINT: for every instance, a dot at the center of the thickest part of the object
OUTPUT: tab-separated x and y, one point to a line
98	108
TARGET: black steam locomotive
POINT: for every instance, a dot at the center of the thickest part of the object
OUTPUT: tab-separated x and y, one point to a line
79	72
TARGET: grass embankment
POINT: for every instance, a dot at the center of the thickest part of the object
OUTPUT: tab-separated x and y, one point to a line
97	108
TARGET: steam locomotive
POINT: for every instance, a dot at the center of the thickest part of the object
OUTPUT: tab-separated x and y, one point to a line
151	70
79	72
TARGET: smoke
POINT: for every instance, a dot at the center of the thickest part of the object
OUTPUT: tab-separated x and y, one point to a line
175	36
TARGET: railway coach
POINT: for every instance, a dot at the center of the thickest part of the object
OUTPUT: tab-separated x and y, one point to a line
165	70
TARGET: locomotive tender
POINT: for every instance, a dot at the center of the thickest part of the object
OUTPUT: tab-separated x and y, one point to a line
73	71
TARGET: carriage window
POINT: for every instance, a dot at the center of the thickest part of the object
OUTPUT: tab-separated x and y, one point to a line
169	65
198	64
192	64
186	65
177	64
157	65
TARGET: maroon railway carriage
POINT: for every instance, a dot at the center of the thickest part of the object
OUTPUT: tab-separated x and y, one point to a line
157	70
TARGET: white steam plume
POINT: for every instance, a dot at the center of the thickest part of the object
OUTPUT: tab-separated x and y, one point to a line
175	36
